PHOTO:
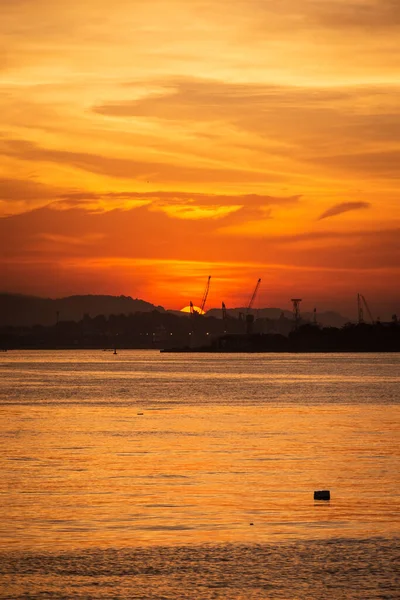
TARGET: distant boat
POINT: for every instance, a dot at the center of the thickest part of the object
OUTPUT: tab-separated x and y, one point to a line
115	351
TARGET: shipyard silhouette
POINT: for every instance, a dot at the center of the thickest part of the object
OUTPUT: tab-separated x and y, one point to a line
222	331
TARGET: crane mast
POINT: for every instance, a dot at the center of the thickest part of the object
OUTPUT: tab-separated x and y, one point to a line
361	304
360	309
225	317
224	313
250	304
250	317
204	300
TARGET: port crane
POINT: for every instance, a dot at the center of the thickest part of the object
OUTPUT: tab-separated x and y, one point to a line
224	312
250	317
361	304
296	311
253	297
203	301
225	317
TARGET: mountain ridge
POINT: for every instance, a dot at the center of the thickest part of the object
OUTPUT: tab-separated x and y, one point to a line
25	310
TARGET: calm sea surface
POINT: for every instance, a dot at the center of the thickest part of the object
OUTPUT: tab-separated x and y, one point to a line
148	475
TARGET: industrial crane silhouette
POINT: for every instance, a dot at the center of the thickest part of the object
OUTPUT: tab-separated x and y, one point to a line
225	317
250	317
361	304
224	313
203	301
253	297
296	311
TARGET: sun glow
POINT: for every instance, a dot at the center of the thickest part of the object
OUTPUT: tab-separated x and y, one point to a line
197	309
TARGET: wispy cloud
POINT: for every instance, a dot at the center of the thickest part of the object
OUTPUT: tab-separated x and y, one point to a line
130	168
233	208
343	207
70	240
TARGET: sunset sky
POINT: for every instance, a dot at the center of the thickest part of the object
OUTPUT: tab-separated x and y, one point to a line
147	144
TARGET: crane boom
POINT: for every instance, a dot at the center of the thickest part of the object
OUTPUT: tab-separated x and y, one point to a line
250	304
361	301
204	300
367	307
360	309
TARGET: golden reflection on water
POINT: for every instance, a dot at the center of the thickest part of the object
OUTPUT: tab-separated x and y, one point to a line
94	473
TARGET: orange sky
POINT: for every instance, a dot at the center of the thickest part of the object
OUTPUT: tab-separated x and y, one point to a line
147	144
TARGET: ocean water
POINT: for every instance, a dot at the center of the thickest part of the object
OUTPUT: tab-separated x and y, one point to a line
148	475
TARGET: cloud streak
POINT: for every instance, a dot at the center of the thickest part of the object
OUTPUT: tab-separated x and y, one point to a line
129	168
343	207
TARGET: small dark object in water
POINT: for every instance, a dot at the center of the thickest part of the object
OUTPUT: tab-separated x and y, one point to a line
251	523
322	495
140	413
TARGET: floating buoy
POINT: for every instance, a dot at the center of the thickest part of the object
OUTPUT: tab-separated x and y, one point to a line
322	495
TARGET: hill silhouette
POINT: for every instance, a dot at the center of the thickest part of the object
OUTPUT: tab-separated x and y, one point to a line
326	318
19	310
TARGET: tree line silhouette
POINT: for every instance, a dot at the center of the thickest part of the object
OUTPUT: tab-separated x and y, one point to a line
168	331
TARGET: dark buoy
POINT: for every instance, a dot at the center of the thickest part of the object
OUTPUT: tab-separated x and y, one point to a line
322	495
